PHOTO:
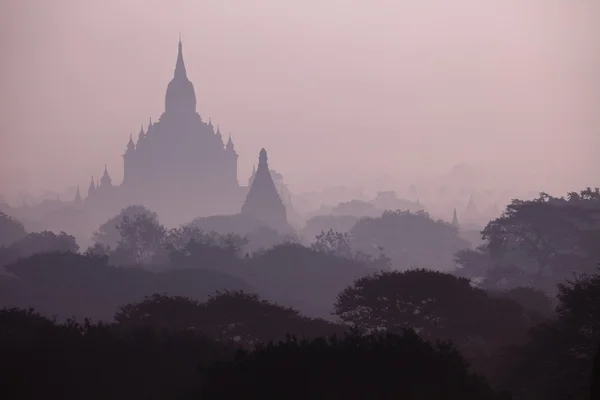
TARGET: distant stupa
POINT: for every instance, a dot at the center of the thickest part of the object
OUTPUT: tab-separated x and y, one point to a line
77	201
471	212
454	219
263	201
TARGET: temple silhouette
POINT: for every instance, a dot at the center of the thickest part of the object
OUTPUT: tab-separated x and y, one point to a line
179	167
263	201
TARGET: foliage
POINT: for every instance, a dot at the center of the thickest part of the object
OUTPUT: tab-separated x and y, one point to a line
302	278
40	358
391	366
547	238
539	305
557	360
75	285
11	230
142	239
43	242
108	233
323	223
410	240
435	304
231	316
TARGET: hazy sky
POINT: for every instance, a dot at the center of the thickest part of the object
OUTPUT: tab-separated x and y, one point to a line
337	91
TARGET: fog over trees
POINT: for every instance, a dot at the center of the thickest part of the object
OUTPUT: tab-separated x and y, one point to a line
324	200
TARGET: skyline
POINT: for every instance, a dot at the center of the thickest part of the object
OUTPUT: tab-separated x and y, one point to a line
301	102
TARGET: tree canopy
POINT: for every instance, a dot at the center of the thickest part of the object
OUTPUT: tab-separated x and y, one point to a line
358	367
410	240
11	230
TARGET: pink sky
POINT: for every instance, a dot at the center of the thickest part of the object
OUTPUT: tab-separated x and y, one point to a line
336	91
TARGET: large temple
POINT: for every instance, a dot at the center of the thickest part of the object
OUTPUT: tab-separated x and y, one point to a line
179	167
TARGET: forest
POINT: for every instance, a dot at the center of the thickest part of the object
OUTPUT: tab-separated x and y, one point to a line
148	312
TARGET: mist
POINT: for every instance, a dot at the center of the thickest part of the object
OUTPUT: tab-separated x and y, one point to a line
380	94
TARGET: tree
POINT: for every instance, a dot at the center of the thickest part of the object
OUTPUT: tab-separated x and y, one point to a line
45	242
11	230
41	358
230	316
534	301
143	239
246	320
293	275
339	245
354	367
557	361
473	263
410	240
162	312
547	239
334	243
108	233
434	304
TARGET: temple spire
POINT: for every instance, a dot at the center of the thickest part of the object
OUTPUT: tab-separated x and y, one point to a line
92	188
180	71
454	219
263	201
229	145
77	201
131	145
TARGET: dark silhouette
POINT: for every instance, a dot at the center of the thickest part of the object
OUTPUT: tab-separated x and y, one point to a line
355	367
11	230
595	390
437	305
538	243
557	361
176	303
410	240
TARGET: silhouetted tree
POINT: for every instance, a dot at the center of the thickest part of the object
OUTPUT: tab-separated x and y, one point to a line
44	242
335	243
164	313
339	245
108	233
547	238
535	301
595	378
142	240
233	317
75	285
293	275
410	240
11	230
355	367
323	223
557	361
473	263
435	304
42	359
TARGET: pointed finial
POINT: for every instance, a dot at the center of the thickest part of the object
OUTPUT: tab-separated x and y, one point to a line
262	159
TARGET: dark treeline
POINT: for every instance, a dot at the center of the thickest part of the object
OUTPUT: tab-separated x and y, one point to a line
154	313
